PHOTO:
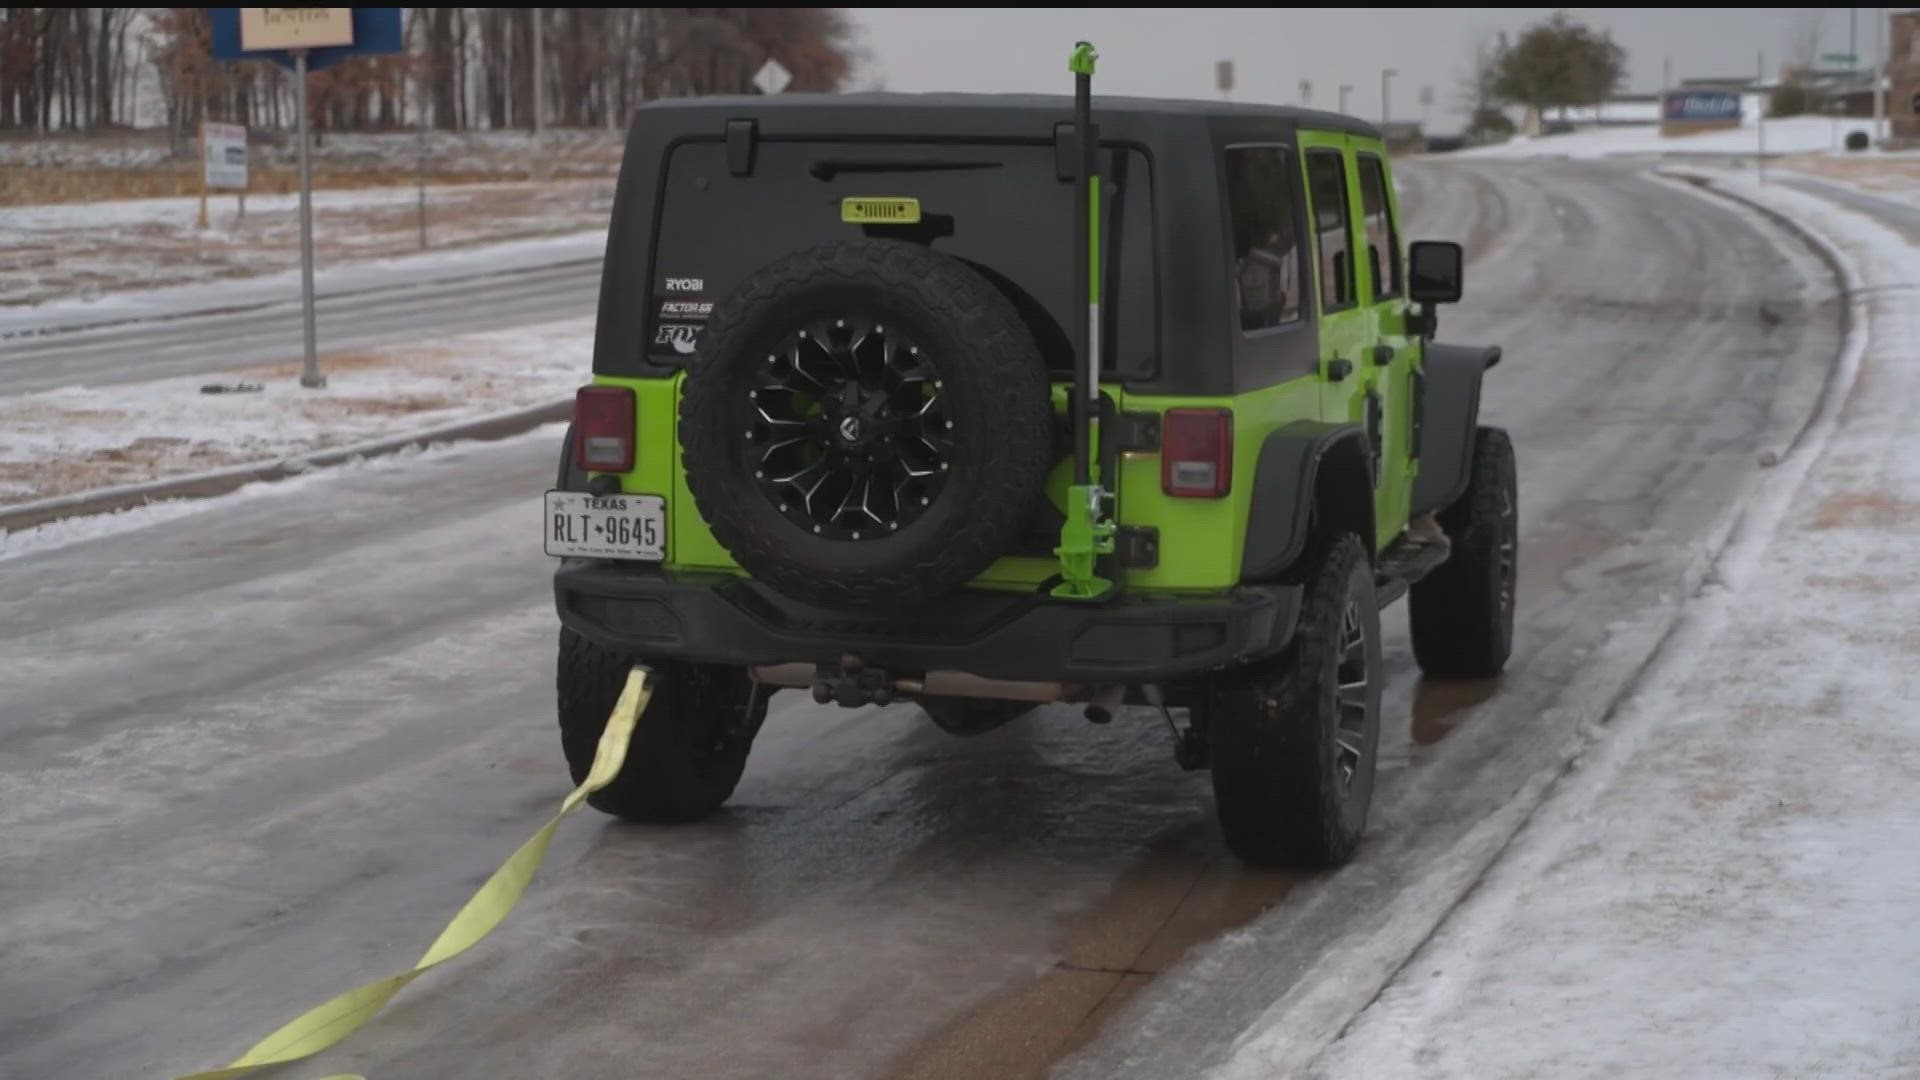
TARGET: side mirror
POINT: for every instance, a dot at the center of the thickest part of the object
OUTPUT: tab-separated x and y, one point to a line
1435	272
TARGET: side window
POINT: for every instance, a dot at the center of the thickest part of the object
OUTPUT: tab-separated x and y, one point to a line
1261	197
1383	241
1327	178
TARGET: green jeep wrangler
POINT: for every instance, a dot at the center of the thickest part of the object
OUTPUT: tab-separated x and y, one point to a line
925	397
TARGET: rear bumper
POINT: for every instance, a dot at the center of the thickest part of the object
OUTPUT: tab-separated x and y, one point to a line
996	636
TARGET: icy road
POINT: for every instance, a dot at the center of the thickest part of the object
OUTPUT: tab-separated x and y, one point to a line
258	753
240	324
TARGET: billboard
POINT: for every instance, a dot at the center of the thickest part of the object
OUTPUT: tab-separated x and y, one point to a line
1710	105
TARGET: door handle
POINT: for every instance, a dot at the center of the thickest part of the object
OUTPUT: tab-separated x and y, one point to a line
1338	369
1383	355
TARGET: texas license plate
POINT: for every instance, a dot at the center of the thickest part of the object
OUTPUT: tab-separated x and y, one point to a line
606	526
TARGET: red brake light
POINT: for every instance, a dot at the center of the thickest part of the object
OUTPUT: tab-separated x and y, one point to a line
603	428
1196	453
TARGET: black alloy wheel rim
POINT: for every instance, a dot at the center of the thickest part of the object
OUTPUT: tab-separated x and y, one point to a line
848	428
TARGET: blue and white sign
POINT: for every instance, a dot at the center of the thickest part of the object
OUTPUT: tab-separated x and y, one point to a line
362	32
1701	105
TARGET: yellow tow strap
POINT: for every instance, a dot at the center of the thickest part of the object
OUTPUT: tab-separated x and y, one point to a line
322	1026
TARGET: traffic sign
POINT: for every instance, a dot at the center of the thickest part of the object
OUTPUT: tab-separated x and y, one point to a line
329	35
305	39
772	77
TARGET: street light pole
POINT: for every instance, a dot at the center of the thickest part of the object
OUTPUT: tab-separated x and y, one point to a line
1386	113
1879	72
1345	89
310	376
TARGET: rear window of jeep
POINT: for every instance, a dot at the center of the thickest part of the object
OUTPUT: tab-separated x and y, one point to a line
1001	208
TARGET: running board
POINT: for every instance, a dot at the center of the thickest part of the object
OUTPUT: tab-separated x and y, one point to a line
1401	565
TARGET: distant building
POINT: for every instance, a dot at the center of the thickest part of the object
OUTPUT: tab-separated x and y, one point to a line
1903	79
1834	91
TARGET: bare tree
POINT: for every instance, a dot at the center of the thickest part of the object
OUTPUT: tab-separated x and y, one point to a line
1803	39
78	68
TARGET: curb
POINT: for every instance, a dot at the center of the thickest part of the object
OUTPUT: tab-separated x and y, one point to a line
221	481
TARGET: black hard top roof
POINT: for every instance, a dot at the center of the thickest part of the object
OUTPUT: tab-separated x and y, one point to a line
990	114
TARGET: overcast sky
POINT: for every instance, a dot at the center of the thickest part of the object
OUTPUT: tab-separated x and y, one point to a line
1170	52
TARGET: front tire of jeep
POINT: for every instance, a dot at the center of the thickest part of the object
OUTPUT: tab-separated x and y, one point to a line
1461	615
689	746
1294	740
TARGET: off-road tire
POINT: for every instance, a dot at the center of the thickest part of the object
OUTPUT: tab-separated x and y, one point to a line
1273	728
1002	437
689	746
1462	613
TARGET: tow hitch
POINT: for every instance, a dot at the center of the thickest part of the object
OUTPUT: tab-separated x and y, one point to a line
851	684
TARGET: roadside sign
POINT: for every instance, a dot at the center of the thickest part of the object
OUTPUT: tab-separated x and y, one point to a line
1223	75
369	31
304	39
1843	59
772	77
295	28
1701	105
226	156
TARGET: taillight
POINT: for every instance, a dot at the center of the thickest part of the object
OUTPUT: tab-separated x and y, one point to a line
1196	453
603	428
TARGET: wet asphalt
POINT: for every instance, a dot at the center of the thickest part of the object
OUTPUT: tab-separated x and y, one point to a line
344	319
258	754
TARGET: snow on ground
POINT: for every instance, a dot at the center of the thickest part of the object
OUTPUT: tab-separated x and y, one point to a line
80	439
1888	177
76	252
1793	135
1725	885
55	534
1644	112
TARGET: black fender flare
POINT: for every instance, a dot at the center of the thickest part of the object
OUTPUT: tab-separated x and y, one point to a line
1446	414
1286	482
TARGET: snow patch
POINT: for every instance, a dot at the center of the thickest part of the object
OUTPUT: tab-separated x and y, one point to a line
75	439
1792	135
58	534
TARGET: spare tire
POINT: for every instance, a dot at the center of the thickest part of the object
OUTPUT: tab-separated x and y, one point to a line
866	423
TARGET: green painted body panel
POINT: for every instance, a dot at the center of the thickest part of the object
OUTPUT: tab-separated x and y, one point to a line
1388	326
1201	541
1351	333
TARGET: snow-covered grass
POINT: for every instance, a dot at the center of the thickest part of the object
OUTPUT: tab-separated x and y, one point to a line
56	534
1725	884
1793	135
78	251
79	439
1885	176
